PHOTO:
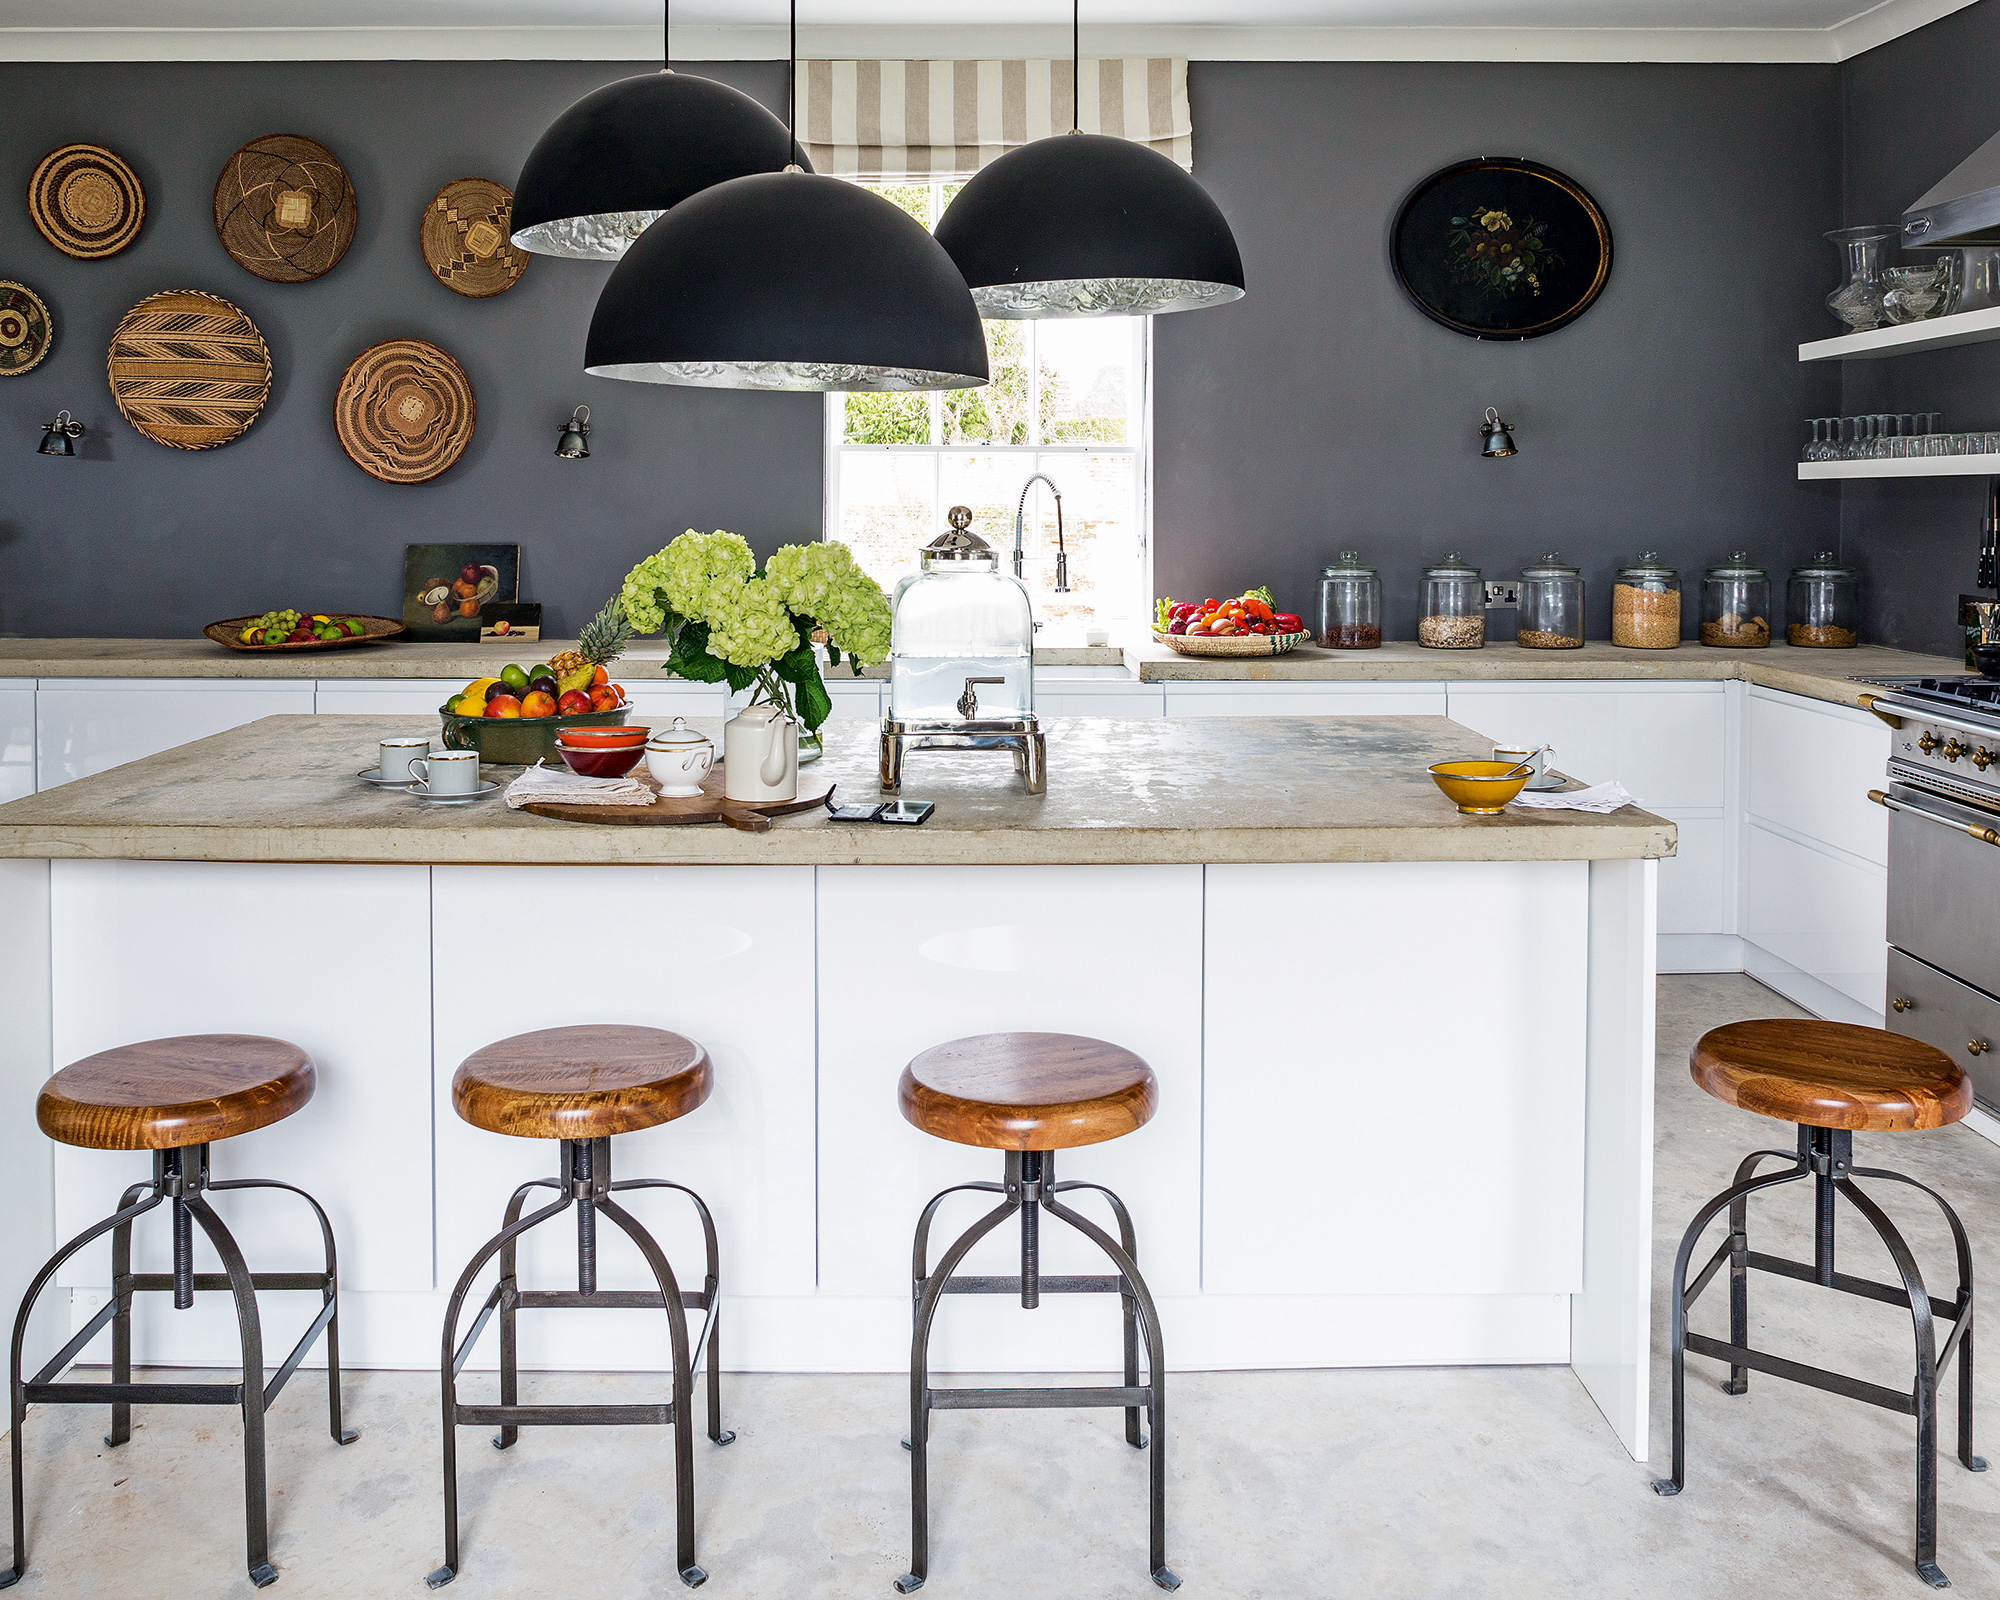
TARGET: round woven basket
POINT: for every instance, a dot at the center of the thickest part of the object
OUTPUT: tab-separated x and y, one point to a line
1232	644
188	369
86	202
405	411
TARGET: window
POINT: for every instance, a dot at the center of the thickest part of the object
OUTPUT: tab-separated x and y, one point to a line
1068	398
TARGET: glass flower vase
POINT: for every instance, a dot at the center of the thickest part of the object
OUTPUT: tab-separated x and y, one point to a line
1858	301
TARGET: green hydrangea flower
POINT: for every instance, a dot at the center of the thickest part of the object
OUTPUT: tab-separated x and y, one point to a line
821	581
691	578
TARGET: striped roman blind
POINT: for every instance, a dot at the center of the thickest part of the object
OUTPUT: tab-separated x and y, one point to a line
946	119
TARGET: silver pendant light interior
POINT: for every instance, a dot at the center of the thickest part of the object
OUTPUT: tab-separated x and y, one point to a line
1084	225
788	280
624	155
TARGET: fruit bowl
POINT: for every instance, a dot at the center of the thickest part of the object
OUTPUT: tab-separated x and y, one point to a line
230	632
1232	644
519	741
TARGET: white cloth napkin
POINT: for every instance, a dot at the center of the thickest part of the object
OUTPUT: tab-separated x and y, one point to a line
1610	796
545	783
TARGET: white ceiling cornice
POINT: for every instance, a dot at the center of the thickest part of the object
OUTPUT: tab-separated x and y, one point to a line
1220	42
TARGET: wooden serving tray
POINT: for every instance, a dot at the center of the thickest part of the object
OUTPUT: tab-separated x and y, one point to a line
751	816
229	632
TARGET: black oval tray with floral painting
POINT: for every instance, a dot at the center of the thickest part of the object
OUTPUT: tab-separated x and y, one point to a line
1500	248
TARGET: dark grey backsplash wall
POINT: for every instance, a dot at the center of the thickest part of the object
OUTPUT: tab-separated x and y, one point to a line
1321	412
1912	110
135	538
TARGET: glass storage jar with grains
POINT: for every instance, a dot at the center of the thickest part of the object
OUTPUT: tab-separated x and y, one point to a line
1551	613
1350	605
1736	604
1451	606
1646	605
1823	605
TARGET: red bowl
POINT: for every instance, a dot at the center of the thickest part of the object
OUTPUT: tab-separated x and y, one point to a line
613	762
603	738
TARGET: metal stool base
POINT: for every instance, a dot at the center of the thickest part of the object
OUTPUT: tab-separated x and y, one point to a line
1826	1155
585	1182
1030	1188
179	1178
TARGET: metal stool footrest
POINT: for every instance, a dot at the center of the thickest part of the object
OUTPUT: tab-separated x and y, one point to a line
1826	1155
180	1178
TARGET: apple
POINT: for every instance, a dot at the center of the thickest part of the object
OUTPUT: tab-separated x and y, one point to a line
538	703
503	705
574	704
605	698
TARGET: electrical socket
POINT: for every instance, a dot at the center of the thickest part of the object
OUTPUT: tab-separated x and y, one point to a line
1502	592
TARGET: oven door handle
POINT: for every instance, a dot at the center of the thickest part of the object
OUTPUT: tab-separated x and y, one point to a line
1983	835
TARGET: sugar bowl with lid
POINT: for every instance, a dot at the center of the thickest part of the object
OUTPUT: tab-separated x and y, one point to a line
679	757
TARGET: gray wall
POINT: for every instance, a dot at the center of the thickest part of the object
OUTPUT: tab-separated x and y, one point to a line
134	538
1911	111
1323	411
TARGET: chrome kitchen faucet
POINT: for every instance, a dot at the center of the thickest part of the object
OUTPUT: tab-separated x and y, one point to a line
1062	554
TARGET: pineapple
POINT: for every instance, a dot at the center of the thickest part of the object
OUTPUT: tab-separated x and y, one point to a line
601	643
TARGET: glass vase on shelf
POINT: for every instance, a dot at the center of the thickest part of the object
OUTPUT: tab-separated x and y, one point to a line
1858	301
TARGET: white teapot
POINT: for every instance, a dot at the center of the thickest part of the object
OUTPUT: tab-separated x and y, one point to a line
760	754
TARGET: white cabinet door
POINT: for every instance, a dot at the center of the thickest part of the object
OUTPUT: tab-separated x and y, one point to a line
662	701
1088	697
1821	912
86	725
858	698
1236	699
17	738
1811	766
400	697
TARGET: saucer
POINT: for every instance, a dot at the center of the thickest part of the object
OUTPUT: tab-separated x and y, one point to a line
486	787
374	775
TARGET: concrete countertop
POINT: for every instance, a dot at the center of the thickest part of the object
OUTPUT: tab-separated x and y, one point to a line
1822	674
1248	789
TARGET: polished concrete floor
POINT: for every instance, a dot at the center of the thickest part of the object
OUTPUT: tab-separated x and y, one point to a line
1473	1483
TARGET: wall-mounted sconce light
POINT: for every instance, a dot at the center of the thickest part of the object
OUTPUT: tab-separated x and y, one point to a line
572	445
1499	438
59	437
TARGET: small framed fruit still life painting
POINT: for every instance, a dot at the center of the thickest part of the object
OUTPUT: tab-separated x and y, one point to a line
446	586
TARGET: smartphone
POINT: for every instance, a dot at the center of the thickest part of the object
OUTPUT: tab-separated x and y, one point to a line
855	813
911	811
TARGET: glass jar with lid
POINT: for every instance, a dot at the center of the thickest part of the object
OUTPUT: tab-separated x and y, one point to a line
1350	605
1551	612
1823	605
1451	606
1736	604
962	632
1646	605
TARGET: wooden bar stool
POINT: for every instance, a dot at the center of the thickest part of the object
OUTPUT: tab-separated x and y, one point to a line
1832	1079
1030	1095
175	1097
579	1086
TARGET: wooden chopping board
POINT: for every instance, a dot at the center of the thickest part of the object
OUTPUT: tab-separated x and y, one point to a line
752	816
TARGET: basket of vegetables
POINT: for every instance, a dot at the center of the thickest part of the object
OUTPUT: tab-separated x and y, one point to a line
1248	625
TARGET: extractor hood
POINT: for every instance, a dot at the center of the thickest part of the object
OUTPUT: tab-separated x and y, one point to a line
1962	209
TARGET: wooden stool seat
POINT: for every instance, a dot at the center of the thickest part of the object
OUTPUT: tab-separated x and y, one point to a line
1028	1091
166	1094
1831	1075
581	1083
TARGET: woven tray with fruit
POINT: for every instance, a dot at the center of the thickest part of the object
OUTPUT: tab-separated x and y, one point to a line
513	719
301	630
1247	625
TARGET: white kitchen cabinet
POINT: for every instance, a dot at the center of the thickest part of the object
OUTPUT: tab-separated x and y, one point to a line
1204	698
17	738
1057	694
663	700
398	697
858	698
87	725
1810	768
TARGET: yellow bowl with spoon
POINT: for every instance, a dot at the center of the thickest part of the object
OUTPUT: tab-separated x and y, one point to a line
1481	788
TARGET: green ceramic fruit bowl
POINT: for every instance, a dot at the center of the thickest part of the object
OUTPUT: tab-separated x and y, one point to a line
518	741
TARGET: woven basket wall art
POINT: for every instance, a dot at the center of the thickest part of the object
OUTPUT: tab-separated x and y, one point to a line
86	202
404	412
189	369
465	238
25	329
284	208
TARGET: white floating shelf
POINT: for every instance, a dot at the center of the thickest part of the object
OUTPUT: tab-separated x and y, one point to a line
1939	333
1918	467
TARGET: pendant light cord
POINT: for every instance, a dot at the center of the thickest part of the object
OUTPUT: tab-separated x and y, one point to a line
792	91
1075	64
667	36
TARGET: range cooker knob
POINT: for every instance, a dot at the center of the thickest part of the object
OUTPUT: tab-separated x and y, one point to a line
1953	750
1902	1003
1982	758
1928	742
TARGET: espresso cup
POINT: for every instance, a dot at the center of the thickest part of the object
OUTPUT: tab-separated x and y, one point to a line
397	754
448	772
1538	760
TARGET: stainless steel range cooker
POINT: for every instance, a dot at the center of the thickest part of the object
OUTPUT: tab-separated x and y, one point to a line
1944	868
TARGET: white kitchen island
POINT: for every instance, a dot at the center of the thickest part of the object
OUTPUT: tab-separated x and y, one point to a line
1405	1055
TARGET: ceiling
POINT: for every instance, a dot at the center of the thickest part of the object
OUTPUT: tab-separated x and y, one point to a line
1212	29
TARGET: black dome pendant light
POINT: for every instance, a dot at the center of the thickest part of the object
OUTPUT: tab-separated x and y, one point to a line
787	280
1085	225
624	155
